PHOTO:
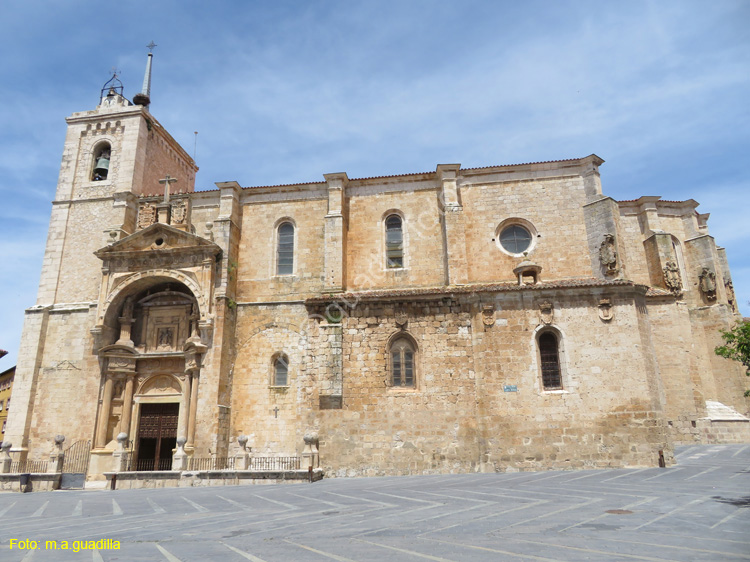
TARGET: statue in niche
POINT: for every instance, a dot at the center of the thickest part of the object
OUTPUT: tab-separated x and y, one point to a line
164	338
707	283
146	215
127	308
672	278
608	254
731	298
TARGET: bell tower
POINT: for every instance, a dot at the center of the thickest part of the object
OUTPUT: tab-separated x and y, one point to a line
113	154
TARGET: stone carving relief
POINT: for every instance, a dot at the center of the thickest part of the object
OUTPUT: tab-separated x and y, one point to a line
731	298
401	317
179	212
606	312
146	215
672	278
121	364
165	339
546	312
163	384
608	254
488	315
707	283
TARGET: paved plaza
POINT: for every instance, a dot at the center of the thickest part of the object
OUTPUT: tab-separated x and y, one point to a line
696	510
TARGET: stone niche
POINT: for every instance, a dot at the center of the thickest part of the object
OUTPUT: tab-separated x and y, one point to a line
162	321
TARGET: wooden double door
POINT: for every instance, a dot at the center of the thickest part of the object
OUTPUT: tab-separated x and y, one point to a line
157	436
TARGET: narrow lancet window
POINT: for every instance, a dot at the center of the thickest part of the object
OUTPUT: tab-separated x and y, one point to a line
550	358
402	363
280	371
285	249
394	242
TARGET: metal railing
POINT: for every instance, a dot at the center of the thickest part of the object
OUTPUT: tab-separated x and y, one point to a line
211	463
275	463
221	463
147	465
28	466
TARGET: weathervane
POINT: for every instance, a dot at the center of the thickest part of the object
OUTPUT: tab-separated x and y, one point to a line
151	46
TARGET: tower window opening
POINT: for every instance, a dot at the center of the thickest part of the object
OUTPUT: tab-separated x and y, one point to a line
101	163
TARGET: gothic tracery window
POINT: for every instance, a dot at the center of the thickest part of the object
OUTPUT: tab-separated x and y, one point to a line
402	355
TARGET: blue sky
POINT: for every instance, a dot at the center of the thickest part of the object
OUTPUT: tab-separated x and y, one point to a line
283	92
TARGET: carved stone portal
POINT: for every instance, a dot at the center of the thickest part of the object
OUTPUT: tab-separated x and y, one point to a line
608	254
707	283
672	278
546	312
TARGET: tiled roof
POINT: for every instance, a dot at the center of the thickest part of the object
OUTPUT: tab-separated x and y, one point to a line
525	164
410	174
469	289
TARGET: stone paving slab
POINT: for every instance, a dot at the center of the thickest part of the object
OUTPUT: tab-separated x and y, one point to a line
697	510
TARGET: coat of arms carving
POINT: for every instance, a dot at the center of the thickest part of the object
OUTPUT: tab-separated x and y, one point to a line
488	315
546	312
606	312
672	278
401	317
146	215
179	212
707	283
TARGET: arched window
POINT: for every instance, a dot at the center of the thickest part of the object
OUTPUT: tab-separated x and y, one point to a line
280	371
403	363
285	249
549	355
102	156
394	242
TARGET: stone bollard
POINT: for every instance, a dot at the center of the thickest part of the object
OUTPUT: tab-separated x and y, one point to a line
180	458
121	456
242	458
57	457
310	454
5	458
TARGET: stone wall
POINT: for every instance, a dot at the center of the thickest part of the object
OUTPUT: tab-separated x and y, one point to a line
479	403
560	246
423	245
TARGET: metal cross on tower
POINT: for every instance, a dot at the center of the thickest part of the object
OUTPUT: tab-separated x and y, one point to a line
166	181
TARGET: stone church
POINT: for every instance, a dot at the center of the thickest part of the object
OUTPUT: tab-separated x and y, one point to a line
509	317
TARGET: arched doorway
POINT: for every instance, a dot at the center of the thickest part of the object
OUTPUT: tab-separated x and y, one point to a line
151	372
159	406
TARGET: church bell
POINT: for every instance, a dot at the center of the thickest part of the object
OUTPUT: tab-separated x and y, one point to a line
102	166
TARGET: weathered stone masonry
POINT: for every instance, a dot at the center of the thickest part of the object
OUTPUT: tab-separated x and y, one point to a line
488	319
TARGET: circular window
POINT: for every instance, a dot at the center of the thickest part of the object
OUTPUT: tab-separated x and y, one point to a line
515	236
515	239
